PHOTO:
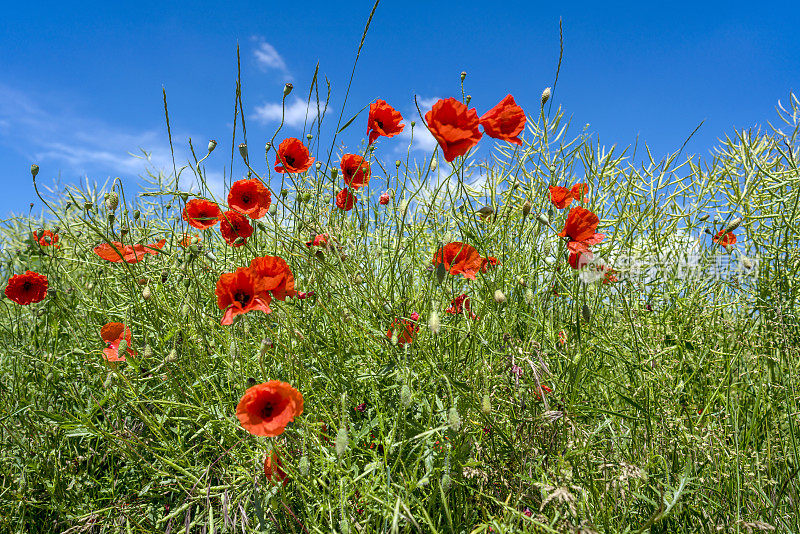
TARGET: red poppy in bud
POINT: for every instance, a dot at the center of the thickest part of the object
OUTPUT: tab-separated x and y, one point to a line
384	199
266	409
561	197
405	329
454	126
201	213
320	240
250	197
725	238
345	199
273	469
27	288
383	120
355	170
504	121
459	258
580	229
115	251
237	294
273	275
113	334
47	239
489	261
235	225
292	156
461	304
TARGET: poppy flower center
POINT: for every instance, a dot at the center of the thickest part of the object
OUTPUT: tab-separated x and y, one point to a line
289	160
246	198
266	411
241	297
26	286
379	123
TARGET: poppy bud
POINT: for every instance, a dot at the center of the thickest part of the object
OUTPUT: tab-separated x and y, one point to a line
733	225
334	173
486	404
405	396
463	75
394	337
342	440
433	322
468	99
123	347
287	89
111	218
212	145
303	465
243	150
146	293
747	262
499	296
168	207
447	482
136	215
68	206
485	211
542	218
310	137
238	241
273	209
87	205
413	123
112	201
441	270
703	217
434	165
148	351
398	163
586	313
454	419
34	170
546	95
124	231
526	208
172	356
306	196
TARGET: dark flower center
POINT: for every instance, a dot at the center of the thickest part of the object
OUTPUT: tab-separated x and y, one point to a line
241	297
266	411
27	286
379	123
289	160
246	198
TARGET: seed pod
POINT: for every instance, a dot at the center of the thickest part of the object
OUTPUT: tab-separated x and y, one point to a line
733	225
212	145
586	313
398	163
463	75
485	211
441	270
334	172
287	89
499	296
318	165
546	95
146	293
703	217
112	201
136	215
185	309
413	123
526	208
273	209
34	170
309	136
542	218
87	205
303	465
243	150
148	351
468	99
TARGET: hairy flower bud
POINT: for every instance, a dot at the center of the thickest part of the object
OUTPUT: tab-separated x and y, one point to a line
123	347
243	150
434	323
733	225
463	75
287	89
454	419
526	208
172	356
148	351
405	395
542	218
34	170
486	405
499	296
342	441
546	95
212	145
703	217
146	293
303	465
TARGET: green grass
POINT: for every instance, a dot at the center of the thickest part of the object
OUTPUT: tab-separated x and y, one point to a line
673	407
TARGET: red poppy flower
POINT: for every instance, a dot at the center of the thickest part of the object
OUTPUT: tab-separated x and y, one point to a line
266	409
406	330
504	121
345	199
489	261
579	259
320	240
383	120
112	334
459	305
273	469
355	170
233	226
454	126
580	229
47	239
27	288
250	197
292	156
272	274
201	213
116	252
459	258
578	190
561	197
384	199
725	238
237	294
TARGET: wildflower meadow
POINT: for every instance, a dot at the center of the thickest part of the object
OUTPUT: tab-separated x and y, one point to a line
559	337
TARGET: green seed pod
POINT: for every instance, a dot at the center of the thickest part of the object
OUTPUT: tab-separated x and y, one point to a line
146	293
733	225
486	404
303	466
454	419
398	163
309	136
463	75
34	170
405	395
586	313
87	205
243	150
546	95
413	123
468	99
342	441
334	172
703	217
136	215
122	348
318	165
306	196
211	146
526	208
112	201
111	218
287	89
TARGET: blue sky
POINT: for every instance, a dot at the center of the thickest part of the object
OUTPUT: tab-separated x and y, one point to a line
81	82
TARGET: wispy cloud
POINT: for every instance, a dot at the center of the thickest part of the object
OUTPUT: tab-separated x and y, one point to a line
295	114
268	58
423	140
59	140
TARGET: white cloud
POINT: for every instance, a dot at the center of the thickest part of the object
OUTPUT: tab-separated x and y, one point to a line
423	140
425	104
295	114
269	58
